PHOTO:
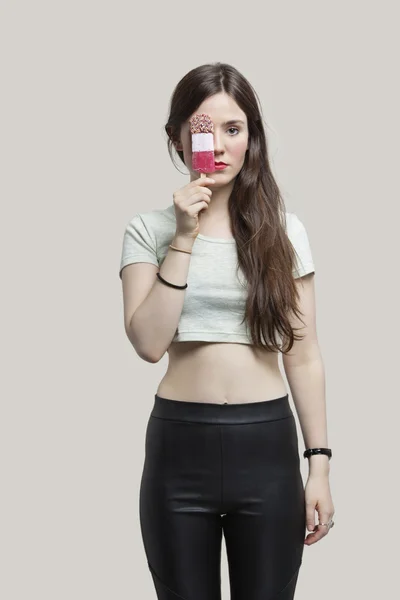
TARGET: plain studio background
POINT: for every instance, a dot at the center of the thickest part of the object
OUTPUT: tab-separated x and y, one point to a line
85	88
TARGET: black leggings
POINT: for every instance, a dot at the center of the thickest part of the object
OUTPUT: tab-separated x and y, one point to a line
213	469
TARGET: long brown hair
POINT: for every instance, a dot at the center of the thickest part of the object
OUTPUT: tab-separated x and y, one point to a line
256	208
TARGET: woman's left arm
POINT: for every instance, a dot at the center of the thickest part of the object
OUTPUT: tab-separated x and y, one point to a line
304	369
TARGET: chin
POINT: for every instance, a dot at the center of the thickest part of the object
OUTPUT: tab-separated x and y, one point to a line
225	176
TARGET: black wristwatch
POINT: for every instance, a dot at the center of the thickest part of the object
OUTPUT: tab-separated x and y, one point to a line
311	451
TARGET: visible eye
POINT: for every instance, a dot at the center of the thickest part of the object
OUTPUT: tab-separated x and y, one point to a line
230	128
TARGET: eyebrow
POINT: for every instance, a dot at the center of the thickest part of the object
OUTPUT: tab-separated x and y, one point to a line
233	121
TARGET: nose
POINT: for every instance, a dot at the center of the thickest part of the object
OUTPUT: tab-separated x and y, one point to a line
218	145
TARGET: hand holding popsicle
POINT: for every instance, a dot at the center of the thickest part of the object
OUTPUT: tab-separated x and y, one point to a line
190	200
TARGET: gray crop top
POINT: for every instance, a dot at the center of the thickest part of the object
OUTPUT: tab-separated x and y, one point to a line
216	294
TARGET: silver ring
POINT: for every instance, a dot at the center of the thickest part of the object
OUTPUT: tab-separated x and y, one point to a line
329	524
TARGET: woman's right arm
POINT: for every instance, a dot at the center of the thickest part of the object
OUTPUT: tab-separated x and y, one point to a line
154	323
153	309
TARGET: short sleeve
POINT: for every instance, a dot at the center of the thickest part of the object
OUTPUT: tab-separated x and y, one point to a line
297	233
138	245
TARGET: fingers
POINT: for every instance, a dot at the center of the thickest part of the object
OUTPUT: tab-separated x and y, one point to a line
318	531
201	181
310	516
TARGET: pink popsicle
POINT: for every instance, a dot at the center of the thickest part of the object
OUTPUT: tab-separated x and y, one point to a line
202	130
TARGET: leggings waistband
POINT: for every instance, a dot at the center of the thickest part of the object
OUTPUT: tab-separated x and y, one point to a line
207	412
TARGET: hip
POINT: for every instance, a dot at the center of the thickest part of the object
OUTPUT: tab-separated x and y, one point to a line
241	453
257	433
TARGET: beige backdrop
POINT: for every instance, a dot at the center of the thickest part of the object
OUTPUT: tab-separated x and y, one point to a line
85	88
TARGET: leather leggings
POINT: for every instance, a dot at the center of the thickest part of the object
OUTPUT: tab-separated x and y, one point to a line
231	469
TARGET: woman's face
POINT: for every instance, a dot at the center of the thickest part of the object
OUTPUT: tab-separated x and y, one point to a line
230	139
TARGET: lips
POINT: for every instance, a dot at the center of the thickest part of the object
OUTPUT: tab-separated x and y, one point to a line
221	163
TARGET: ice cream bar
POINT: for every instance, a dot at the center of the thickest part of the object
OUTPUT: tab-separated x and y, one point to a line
202	130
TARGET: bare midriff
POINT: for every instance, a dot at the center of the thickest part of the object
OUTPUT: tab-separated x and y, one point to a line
221	373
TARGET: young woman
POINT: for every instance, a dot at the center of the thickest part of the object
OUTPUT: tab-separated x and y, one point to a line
223	280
